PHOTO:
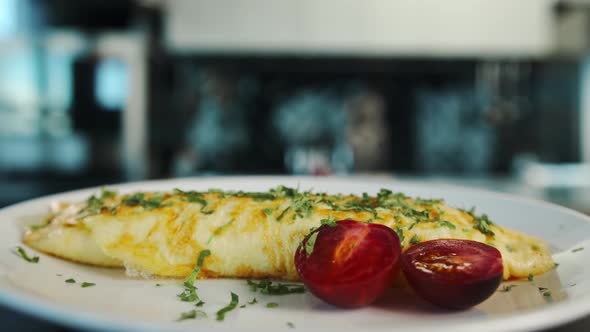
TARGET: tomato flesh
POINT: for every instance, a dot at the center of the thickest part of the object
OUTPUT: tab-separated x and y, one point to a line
351	264
451	273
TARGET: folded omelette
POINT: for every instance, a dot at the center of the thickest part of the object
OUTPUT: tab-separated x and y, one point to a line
253	234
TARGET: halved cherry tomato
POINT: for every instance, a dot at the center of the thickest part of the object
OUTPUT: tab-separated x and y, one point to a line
350	264
455	274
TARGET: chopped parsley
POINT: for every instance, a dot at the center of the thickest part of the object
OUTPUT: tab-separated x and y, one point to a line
193	314
302	205
199	304
509	248
555	265
194	197
106	194
190	291
39	226
267	287
530	277
415	239
70	281
578	249
330	221
87	284
422	201
400	233
420	216
138	199
272	305
506	288
291	325
95	204
219	230
20	252
268	211
545	292
283	213
158	285
231	306
483	224
466	230
310	243
448	224
243	306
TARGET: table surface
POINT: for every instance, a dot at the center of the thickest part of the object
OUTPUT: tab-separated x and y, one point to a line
13	321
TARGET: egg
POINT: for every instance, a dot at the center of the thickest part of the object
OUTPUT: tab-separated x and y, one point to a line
254	235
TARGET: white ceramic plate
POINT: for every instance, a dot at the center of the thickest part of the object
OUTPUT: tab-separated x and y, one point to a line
121	303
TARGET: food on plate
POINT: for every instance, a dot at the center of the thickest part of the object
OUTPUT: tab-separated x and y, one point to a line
348	263
253	234
450	273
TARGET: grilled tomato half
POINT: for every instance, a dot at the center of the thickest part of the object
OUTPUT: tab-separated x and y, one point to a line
349	263
451	273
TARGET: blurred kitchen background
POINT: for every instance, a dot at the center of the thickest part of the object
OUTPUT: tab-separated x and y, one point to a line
492	94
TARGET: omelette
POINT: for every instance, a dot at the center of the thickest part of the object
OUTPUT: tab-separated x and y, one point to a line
253	234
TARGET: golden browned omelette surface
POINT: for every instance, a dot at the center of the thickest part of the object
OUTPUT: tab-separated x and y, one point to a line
253	235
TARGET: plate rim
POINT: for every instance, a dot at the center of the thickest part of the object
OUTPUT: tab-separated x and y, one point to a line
548	316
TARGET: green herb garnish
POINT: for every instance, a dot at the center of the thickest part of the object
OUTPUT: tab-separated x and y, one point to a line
422	201
310	243
415	239
272	305
578	249
330	221
400	233
483	224
283	213
199	304
106	194
138	199
219	230
291	325
254	301
267	287
193	314
231	306
87	284
507	288
194	197
39	226
448	224
268	211
530	277
190	291
20	252
70	281
95	204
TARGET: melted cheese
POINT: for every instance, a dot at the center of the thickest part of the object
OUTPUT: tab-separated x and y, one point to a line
244	241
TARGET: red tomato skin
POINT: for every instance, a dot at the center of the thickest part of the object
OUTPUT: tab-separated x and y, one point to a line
357	280
455	290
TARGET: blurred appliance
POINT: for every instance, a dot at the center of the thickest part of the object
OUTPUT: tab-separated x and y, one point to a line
428	28
429	87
